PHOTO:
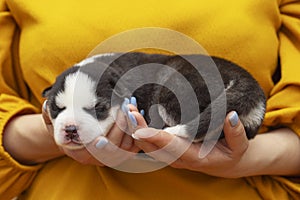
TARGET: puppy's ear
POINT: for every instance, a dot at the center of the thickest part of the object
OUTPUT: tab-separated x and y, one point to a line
119	86
46	92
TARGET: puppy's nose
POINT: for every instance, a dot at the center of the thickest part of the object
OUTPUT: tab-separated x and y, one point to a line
71	129
71	132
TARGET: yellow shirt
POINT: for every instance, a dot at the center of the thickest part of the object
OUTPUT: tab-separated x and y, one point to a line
39	39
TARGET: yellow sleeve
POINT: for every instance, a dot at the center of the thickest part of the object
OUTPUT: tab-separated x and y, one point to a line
14	177
283	105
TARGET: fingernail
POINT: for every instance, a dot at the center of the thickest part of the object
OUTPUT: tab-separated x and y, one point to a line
101	143
133	101
126	100
45	105
144	133
134	136
142	112
124	106
233	119
132	119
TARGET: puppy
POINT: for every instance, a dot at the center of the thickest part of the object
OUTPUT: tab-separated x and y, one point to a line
181	98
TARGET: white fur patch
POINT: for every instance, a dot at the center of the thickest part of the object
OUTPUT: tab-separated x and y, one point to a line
231	83
165	117
254	117
79	92
179	130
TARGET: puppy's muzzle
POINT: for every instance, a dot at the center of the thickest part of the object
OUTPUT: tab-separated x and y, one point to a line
72	133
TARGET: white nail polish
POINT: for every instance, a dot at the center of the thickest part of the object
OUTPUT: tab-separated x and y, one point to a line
132	119
135	137
45	105
101	143
233	119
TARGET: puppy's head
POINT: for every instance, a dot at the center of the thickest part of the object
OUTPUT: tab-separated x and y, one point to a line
79	104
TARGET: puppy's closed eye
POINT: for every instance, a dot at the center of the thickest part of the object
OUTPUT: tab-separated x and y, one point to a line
100	110
55	109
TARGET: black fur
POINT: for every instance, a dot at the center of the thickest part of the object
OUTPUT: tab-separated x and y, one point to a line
242	96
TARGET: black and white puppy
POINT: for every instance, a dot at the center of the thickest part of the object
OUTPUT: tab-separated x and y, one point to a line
85	98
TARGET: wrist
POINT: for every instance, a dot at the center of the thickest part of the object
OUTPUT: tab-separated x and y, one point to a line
273	153
27	140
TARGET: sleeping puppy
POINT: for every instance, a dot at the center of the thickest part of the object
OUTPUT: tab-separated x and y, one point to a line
85	98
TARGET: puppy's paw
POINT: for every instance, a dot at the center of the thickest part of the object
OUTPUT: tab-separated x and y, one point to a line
178	130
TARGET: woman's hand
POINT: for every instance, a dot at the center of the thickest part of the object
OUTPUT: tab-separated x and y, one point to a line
223	160
277	152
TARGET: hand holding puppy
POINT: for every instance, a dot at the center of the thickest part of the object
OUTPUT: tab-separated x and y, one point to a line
232	157
225	160
113	149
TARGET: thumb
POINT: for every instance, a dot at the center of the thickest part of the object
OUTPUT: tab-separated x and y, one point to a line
160	144
235	134
155	136
46	118
150	139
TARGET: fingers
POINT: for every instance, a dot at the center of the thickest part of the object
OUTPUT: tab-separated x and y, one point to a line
153	140
108	153
46	118
45	114
127	142
140	120
134	118
235	134
158	137
162	145
111	150
120	133
117	146
127	121
116	133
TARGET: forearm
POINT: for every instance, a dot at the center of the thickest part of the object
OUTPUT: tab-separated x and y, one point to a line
274	153
27	140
